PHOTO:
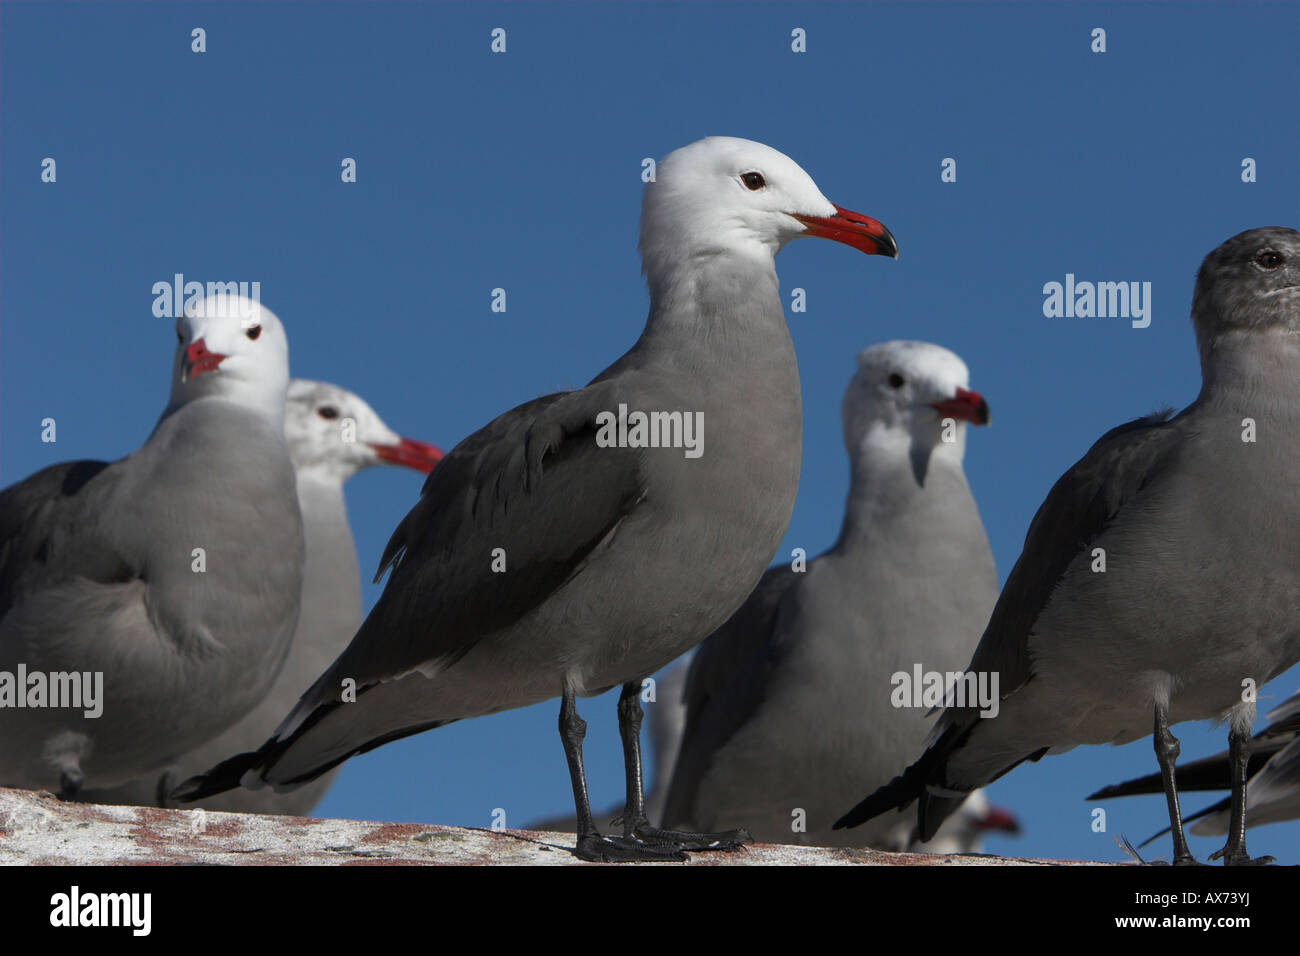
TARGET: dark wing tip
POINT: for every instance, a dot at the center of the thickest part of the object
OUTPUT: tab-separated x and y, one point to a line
224	776
933	807
1155	836
1125	789
1208	773
898	793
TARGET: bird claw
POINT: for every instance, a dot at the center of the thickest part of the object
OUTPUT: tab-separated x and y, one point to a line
727	841
1240	858
70	784
595	848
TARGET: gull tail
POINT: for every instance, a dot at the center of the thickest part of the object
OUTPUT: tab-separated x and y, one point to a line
257	768
1208	773
226	775
914	784
925	782
1211	773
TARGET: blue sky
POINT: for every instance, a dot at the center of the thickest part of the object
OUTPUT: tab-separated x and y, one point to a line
522	171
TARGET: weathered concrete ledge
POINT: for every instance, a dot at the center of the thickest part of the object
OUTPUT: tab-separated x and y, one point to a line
36	828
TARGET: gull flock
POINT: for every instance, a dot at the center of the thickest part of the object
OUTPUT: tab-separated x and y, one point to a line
242	674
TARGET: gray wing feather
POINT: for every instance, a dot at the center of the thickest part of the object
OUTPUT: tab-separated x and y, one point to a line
725	684
1279	782
1078	509
1284	718
538	466
42	518
1080	506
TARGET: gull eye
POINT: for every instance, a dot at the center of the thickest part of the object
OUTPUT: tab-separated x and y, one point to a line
753	181
1269	259
328	412
896	380
253	332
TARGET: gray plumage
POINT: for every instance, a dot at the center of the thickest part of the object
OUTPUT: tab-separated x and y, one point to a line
99	572
1200	590
667	726
616	559
332	434
789	703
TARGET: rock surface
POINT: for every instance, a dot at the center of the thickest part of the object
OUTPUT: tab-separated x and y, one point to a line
38	828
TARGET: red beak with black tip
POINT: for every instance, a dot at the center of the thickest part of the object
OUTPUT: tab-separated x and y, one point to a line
410	453
198	360
967	406
1000	820
853	229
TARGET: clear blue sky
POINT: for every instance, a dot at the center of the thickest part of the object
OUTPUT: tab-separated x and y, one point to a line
522	170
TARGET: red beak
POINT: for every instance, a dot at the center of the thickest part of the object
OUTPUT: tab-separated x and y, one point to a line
968	406
411	453
198	360
999	819
853	229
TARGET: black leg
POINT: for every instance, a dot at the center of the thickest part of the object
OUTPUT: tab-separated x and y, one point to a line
573	730
1234	851
166	784
70	784
1167	750
629	731
635	823
591	845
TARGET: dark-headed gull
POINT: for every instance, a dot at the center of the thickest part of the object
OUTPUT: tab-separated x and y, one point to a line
1160	580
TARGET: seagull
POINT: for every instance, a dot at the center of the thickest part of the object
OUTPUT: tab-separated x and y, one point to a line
167	583
332	435
790	710
1159	579
583	540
